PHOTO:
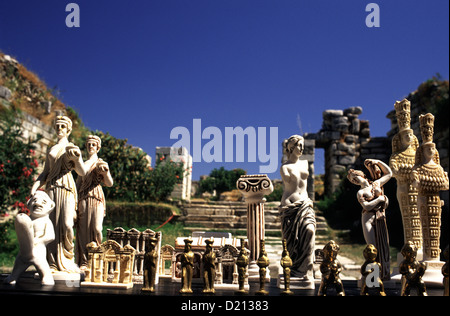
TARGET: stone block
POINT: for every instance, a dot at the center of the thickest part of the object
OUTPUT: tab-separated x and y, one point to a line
5	93
347	160
353	110
332	113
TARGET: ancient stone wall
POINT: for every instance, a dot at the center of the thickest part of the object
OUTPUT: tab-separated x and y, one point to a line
347	143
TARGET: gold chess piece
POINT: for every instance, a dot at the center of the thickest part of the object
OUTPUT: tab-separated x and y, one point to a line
370	270
412	271
330	268
209	267
263	263
150	262
187	267
242	263
286	264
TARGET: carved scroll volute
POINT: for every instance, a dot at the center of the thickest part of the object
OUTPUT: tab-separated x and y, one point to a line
254	187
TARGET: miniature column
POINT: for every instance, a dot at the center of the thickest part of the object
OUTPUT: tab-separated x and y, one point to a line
254	188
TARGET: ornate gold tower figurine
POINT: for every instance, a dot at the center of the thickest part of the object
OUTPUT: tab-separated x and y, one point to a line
209	267
187	267
404	146
429	178
370	271
150	263
286	264
242	263
330	268
263	263
412	271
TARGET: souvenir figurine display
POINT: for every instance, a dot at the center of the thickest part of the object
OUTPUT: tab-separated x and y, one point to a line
263	263
286	264
402	160
60	186
331	268
209	267
187	268
298	222
412	271
150	264
91	200
34	232
429	178
242	263
370	271
374	203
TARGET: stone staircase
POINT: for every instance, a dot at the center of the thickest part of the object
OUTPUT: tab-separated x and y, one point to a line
223	215
199	215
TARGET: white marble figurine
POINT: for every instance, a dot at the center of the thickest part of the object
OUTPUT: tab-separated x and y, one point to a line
298	222
34	232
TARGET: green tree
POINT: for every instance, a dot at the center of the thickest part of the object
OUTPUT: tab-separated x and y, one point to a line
134	178
221	180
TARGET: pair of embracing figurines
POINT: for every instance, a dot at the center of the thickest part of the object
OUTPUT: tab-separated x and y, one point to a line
62	204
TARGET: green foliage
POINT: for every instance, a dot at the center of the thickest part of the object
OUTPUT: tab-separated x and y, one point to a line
221	180
17	163
134	178
134	214
277	193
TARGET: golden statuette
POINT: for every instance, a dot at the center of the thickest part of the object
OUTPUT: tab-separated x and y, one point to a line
242	263
187	267
330	268
263	263
209	267
150	262
286	264
412	271
370	271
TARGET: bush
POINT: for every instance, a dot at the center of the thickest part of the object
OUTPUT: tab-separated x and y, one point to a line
134	178
17	163
128	214
221	180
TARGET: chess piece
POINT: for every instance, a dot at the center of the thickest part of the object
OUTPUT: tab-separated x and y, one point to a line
298	222
150	263
187	267
401	162
263	263
91	200
412	271
242	263
429	178
61	188
286	264
209	267
34	232
370	271
331	268
374	203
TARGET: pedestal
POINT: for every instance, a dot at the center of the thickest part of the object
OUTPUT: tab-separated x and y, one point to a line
254	188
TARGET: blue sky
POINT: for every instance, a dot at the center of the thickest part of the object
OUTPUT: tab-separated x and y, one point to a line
137	69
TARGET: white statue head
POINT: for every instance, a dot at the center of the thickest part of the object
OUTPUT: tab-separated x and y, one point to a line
40	204
93	144
294	145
